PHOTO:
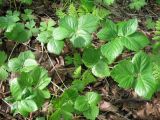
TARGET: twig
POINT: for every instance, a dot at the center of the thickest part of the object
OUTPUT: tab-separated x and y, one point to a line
57	86
55	68
12	51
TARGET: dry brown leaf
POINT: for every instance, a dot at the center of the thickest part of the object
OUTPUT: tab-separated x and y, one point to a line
107	106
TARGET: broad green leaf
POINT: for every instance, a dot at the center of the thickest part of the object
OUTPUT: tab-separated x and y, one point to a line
21	62
123	73
112	50
127	27
88	4
39	96
93	98
70	95
81	104
137	4
78	84
31	26
8	22
142	63
81	39
55	46
15	89
3	58
15	64
40	77
101	69
70	23
88	23
27	16
56	115
60	33
26	55
92	113
44	37
109	2
67	115
24	107
3	73
47	25
88	78
29	64
136	74
109	32
18	33
25	80
145	85
135	41
91	56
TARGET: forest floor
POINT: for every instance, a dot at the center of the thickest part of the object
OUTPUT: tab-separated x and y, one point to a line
117	103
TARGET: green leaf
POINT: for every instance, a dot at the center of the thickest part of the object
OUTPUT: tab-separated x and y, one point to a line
145	84
81	39
29	64
90	56
40	77
15	89
44	37
26	1
81	104
18	33
101	13
28	15
70	23
88	23
123	73
88	4
109	2
9	21
78	84
31	25
72	10
93	98
24	107
127	27
92	113
77	60
47	25
150	24
3	73
56	115
136	74
112	50
135	41
60	33
55	46
109	32
88	78
22	62
101	69
137	4
77	72
3	58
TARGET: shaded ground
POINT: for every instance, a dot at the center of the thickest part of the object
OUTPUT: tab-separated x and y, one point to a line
117	103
